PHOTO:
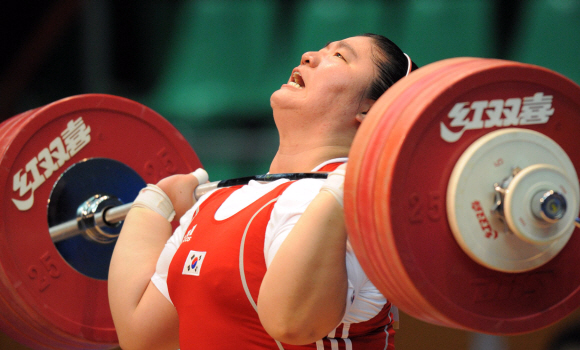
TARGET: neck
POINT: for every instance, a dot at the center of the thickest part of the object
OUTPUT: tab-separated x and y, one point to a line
304	162
307	142
294	156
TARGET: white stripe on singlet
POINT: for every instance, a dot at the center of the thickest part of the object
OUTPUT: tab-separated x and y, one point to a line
387	329
347	341
334	342
242	273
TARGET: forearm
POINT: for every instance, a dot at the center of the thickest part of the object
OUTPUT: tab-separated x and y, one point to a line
133	263
303	294
143	317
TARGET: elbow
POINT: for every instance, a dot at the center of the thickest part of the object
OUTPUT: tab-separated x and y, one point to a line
296	330
293	335
128	342
282	326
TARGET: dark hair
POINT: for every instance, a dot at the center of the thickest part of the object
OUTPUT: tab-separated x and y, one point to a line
391	62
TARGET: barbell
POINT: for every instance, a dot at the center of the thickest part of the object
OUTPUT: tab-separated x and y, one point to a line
461	196
97	213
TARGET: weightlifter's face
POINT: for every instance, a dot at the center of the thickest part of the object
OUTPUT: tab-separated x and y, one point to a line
331	81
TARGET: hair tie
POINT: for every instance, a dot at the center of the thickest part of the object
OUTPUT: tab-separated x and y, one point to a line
410	64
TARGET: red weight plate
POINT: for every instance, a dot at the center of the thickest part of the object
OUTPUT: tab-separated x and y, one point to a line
413	174
17	324
46	296
416	307
361	171
358	191
421	309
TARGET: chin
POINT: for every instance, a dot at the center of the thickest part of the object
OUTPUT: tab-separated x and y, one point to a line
278	99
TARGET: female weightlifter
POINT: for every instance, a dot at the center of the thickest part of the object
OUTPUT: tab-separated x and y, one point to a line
265	265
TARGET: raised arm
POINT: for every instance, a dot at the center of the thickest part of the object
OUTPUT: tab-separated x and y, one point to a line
143	317
303	294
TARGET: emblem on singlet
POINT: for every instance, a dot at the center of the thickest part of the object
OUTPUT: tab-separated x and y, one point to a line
187	236
193	263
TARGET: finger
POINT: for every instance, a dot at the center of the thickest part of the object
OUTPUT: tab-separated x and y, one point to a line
201	176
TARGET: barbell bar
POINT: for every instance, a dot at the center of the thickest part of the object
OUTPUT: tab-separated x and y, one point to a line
89	218
409	187
549	206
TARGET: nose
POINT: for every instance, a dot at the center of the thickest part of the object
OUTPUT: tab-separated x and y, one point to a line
310	58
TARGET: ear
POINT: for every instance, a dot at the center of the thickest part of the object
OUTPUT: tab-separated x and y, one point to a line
364	108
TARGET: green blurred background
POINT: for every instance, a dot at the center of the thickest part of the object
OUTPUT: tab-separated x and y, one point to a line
210	66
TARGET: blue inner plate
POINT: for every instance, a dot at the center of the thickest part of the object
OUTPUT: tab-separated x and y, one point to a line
78	183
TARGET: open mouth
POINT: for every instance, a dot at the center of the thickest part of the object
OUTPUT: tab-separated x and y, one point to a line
296	80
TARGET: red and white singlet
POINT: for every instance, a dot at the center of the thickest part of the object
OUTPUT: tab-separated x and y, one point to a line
216	271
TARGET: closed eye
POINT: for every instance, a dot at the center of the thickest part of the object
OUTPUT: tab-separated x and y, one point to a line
338	54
